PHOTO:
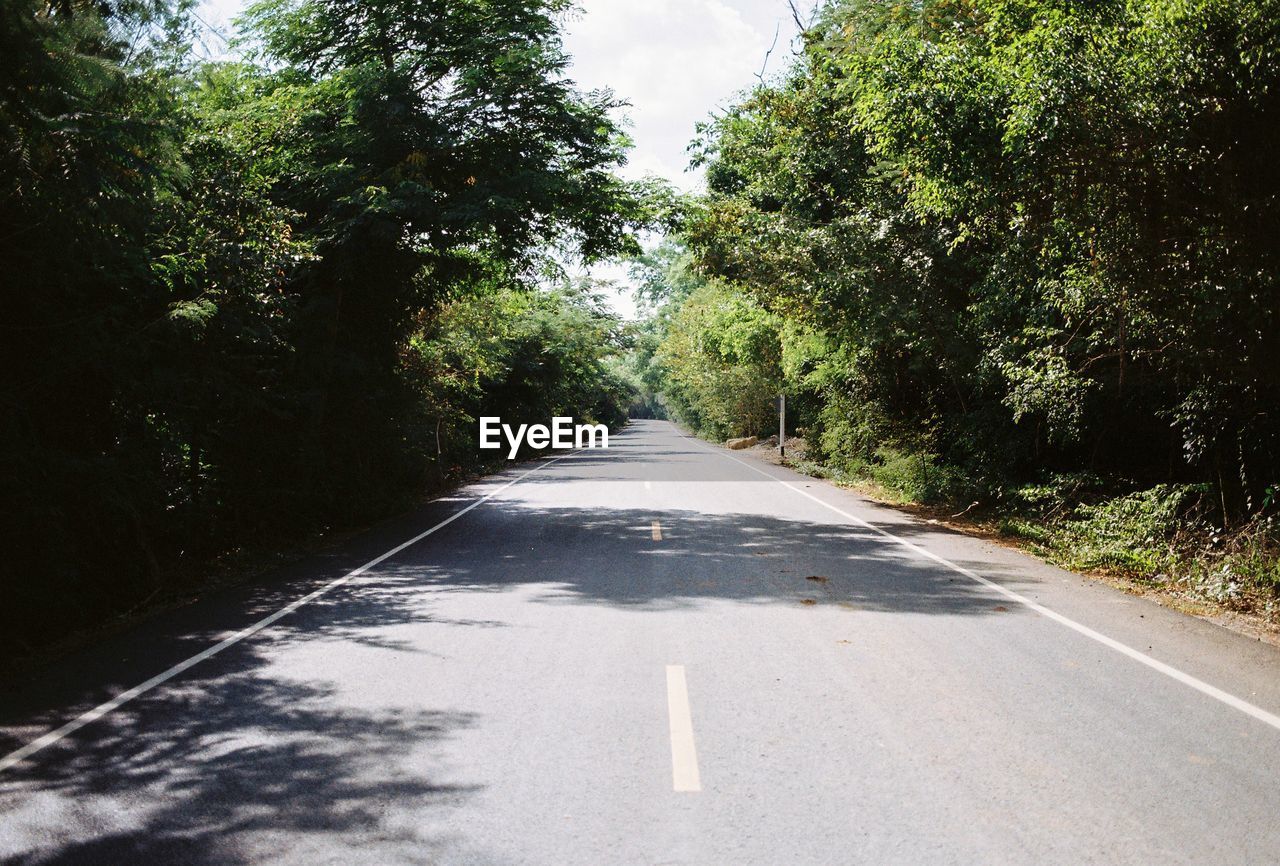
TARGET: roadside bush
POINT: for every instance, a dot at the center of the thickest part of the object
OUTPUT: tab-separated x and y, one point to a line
1054	498
1241	570
917	476
1029	530
1133	533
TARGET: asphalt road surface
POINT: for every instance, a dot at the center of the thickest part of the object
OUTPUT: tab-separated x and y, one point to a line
660	653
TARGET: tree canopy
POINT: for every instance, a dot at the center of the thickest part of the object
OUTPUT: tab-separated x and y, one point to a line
249	300
1041	231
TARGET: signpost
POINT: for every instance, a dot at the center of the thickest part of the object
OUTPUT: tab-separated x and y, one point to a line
780	402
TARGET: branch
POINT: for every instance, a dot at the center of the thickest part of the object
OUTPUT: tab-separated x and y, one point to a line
795	16
777	27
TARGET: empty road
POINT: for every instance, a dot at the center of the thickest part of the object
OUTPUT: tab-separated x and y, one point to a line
662	653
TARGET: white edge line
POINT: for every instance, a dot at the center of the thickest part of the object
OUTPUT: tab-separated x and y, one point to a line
1141	657
90	716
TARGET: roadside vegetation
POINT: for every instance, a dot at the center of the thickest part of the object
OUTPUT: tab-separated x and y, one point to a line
248	301
1018	258
1013	256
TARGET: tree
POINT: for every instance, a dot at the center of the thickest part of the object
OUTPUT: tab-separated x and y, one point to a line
224	278
1033	236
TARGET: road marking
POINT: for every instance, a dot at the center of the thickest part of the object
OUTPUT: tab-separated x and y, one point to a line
684	758
656	529
1124	649
647	485
125	697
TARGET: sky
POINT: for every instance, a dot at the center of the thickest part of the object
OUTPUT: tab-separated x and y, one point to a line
674	61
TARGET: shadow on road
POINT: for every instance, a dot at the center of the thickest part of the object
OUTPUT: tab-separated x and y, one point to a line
235	753
234	750
608	556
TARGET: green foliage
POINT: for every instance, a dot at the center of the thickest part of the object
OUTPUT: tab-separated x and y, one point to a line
1030	530
637	366
524	356
1132	533
1031	236
246	301
1241	570
916	476
1158	536
720	357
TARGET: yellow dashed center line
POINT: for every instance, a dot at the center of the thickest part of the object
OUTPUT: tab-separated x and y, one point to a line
657	530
